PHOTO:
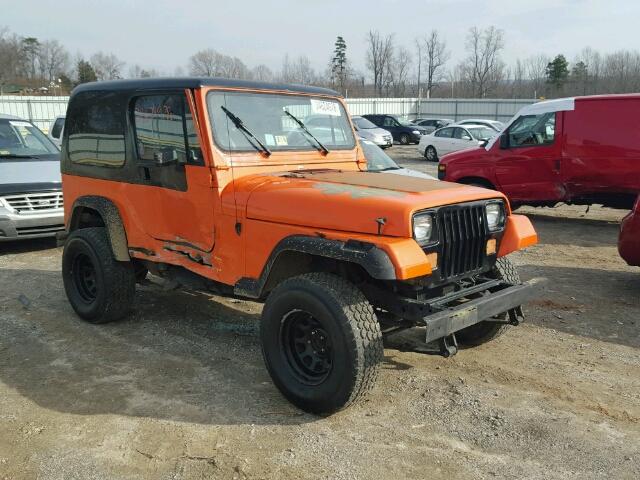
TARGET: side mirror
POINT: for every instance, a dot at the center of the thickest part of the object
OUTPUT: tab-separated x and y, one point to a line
504	140
483	142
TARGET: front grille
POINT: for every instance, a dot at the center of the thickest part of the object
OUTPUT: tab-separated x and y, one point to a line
39	230
35	203
463	236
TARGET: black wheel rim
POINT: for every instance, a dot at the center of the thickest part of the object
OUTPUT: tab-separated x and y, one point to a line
306	347
85	277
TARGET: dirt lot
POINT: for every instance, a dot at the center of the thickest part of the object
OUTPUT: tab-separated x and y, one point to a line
180	391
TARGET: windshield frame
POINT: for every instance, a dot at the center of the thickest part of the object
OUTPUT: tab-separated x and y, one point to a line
307	149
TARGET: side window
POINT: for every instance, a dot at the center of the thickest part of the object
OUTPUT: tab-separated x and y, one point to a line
95	125
445	132
461	134
165	131
56	130
533	130
389	122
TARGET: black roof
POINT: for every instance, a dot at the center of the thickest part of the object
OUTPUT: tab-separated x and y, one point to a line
195	82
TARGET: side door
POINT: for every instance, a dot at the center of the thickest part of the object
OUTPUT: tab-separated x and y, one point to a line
390	124
461	139
175	201
529	159
442	140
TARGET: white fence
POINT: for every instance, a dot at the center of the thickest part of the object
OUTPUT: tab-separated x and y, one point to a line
42	110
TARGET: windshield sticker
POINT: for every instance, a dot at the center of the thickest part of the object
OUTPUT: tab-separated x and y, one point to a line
5	152
20	124
281	140
268	139
357	192
324	107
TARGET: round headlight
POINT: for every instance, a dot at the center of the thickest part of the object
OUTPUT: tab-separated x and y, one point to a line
495	216
422	227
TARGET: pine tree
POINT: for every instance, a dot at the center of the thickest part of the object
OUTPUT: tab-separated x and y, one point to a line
339	63
558	71
86	73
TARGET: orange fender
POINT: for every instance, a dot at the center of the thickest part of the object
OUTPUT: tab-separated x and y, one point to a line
518	234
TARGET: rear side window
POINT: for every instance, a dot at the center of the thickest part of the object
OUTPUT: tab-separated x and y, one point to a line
389	122
95	126
165	130
56	130
445	132
461	134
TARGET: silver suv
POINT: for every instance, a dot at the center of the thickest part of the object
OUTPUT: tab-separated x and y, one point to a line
30	184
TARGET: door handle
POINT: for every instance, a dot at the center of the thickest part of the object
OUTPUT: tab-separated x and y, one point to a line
556	165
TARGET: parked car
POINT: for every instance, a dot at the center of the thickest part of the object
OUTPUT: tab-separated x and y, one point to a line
401	130
56	130
379	161
432	124
30	185
453	138
495	124
370	131
582	151
629	239
239	197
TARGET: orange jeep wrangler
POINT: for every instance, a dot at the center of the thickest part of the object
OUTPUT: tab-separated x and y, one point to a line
259	191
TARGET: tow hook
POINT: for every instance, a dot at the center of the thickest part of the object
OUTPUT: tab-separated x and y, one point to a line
448	346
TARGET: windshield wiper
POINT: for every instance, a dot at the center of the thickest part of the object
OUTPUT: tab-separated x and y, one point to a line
240	126
385	169
15	155
321	147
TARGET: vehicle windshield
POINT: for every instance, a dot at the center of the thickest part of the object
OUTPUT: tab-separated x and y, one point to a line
363	123
404	123
264	115
377	160
21	139
482	133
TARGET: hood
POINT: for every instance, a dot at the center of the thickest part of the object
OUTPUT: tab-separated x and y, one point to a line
468	154
34	173
373	132
349	201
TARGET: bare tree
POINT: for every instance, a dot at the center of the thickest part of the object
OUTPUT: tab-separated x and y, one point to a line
483	67
379	56
53	60
301	71
10	60
536	68
398	71
204	63
436	55
107	66
262	73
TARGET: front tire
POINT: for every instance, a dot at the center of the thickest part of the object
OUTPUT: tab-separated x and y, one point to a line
99	288
321	342
404	139
430	154
484	332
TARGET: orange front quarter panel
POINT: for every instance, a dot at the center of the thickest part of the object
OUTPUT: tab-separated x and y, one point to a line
518	234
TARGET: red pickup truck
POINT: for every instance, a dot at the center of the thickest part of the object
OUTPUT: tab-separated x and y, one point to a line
629	240
581	150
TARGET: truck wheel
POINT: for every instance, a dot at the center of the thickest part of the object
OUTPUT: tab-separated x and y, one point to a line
99	288
321	342
431	154
484	332
404	139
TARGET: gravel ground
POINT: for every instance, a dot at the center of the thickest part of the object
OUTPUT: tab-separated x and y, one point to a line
179	390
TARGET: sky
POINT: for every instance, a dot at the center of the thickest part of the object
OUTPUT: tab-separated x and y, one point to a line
162	34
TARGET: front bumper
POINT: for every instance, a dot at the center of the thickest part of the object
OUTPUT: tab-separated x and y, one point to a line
451	319
15	226
385	141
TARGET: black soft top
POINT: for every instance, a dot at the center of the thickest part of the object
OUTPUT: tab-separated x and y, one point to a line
195	82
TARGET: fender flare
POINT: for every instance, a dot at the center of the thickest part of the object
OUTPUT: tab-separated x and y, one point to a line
112	222
372	259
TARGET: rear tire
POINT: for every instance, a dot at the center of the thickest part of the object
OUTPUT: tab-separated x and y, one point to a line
430	154
321	342
484	332
99	288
